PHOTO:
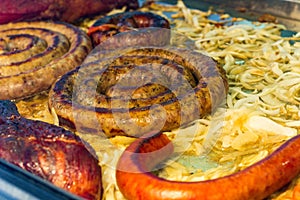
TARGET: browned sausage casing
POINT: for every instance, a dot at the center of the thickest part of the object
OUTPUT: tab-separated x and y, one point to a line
108	26
135	180
139	90
34	54
66	10
50	152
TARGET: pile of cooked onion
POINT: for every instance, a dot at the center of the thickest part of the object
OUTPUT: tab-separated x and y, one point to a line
262	109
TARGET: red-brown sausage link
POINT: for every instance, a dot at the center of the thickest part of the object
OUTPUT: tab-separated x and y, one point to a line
255	182
66	10
50	152
111	25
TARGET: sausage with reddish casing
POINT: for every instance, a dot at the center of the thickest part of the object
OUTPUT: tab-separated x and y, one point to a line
258	181
67	10
49	152
108	26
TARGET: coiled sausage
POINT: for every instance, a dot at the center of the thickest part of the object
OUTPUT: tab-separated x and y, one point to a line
34	54
182	85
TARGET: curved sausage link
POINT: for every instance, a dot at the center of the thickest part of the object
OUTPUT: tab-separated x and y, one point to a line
111	25
255	182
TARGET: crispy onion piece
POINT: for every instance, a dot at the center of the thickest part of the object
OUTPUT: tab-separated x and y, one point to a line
136	90
34	54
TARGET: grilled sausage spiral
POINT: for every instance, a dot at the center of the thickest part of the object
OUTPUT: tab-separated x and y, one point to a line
138	90
34	54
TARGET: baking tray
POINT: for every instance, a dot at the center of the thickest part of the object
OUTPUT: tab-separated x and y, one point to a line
16	183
